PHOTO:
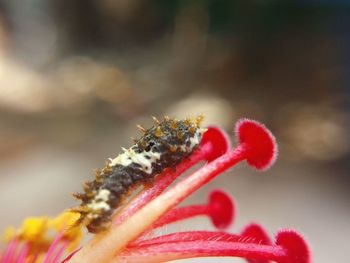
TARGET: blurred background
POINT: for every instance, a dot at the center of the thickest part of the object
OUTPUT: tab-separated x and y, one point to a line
77	76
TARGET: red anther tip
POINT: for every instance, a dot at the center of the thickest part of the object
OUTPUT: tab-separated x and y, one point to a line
295	244
221	209
220	142
258	233
262	145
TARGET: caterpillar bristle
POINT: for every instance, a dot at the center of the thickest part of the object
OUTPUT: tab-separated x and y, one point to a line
86	187
79	196
80	209
156	121
199	120
106	170
98	176
141	129
143	144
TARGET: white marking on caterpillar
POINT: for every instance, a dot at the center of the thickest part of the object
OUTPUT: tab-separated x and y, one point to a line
100	201
195	139
144	159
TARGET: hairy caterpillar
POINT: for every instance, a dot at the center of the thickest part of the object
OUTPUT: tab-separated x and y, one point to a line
164	145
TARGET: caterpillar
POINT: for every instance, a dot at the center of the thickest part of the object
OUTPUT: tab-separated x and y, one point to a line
162	146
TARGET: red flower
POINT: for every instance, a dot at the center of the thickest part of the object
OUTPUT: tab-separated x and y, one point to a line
128	240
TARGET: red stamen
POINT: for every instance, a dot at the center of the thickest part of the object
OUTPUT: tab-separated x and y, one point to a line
198	248
253	244
186	237
220	209
251	134
251	234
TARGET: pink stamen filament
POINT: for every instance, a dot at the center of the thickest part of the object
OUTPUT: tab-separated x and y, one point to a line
202	176
22	256
181	213
60	252
10	251
190	249
163	181
52	248
190	236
